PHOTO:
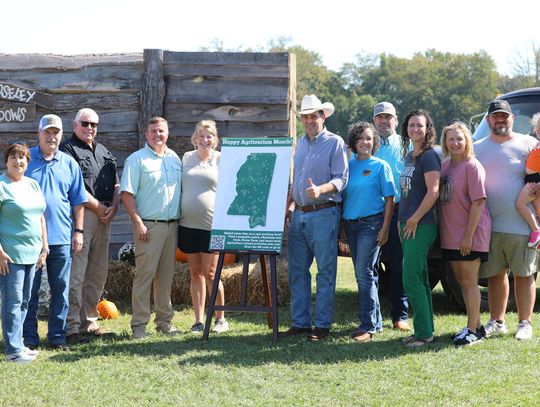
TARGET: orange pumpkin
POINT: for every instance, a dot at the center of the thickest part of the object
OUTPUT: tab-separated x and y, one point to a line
230	258
107	310
181	256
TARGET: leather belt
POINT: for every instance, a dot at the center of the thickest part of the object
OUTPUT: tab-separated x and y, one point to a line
364	218
313	208
160	221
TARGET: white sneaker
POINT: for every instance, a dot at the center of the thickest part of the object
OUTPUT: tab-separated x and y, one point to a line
524	330
30	352
221	326
19	358
495	328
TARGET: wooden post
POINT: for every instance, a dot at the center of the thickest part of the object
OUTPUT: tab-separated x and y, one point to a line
292	96
152	90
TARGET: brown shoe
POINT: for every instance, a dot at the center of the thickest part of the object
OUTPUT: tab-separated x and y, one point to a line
318	334
362	337
95	332
402	326
295	331
77	338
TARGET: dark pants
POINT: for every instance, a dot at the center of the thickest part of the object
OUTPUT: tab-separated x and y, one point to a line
393	250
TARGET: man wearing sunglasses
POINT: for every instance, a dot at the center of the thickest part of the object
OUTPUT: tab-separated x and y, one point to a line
90	265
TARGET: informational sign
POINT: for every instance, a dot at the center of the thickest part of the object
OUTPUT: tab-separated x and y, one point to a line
251	194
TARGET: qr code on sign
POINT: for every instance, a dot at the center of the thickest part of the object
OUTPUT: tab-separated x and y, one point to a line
217	243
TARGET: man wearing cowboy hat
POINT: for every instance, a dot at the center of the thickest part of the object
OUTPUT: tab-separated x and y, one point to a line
320	174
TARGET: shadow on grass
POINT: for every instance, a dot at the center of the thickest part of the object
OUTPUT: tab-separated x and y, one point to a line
251	349
252	345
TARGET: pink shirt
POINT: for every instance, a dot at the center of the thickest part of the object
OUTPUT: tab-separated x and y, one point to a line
466	180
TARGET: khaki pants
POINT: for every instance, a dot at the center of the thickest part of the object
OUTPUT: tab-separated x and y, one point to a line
154	261
89	270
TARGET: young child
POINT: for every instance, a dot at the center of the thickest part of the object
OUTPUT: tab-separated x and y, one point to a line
526	196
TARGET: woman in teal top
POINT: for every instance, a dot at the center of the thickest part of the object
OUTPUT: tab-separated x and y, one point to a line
23	246
368	205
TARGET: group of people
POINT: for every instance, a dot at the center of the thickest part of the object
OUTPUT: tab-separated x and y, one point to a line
57	201
398	193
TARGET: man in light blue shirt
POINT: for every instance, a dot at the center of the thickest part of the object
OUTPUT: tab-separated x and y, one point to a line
385	120
150	191
320	174
61	181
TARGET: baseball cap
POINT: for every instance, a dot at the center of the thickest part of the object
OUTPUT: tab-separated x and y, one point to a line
384	107
50	120
499	106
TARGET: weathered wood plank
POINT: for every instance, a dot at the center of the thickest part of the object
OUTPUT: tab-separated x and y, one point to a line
22	62
292	96
255	71
109	121
227	90
152	89
234	129
125	142
97	101
193	112
124	78
226	58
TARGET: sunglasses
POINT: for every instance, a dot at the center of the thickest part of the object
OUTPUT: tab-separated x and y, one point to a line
86	124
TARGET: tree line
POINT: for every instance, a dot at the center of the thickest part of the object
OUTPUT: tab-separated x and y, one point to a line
450	86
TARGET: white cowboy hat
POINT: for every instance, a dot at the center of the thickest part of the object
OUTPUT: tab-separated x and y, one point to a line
311	103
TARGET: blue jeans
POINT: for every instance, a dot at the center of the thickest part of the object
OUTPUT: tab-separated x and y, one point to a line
393	248
15	293
313	234
58	269
365	255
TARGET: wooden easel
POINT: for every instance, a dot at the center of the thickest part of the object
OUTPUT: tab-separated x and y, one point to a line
270	292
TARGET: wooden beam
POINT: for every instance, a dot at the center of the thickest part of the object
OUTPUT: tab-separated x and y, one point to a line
152	89
292	96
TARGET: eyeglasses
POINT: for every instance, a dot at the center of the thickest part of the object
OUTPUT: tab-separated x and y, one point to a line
86	124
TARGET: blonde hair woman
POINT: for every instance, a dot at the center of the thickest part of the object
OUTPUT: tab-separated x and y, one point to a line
464	222
199	184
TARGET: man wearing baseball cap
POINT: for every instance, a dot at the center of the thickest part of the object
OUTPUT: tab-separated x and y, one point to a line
385	120
503	156
61	182
314	211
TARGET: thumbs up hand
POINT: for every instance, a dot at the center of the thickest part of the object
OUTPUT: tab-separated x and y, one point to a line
312	191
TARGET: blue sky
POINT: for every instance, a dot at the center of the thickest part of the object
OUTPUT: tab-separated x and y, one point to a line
336	30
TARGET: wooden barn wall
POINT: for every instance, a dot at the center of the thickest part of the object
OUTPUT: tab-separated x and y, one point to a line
247	94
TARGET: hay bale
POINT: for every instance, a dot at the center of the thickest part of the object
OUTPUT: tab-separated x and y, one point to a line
232	281
120	281
180	293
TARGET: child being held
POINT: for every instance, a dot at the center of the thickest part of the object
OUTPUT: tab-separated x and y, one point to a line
527	195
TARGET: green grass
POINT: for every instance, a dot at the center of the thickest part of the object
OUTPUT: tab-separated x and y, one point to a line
244	367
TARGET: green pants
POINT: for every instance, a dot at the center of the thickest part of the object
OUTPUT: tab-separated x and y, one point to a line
416	279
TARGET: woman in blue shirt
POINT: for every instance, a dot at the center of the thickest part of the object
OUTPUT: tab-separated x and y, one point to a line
23	246
368	204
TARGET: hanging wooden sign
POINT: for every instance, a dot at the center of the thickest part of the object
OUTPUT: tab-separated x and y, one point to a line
17	112
17	94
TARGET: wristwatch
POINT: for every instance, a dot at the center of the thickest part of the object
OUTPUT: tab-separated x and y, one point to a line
81	231
45	250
